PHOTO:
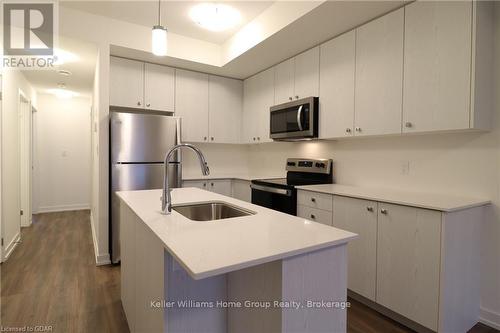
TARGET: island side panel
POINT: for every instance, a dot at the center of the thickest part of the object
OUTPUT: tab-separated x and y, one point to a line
258	286
189	317
316	276
127	266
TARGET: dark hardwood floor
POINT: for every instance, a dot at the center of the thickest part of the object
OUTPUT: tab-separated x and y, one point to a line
51	279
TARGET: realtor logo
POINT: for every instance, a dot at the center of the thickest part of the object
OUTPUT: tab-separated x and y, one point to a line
29	34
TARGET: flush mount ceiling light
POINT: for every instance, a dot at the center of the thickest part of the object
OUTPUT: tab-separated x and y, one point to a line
62	93
215	17
159	37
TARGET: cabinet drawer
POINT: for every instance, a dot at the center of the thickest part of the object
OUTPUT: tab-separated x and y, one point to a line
315	200
316	215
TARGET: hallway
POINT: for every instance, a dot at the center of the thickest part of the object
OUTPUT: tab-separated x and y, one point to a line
51	279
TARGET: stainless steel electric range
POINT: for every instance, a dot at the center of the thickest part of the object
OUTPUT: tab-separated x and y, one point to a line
281	194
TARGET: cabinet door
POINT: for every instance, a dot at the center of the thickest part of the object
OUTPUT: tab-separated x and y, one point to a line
249	125
159	87
284	81
191	99
360	217
126	78
202	184
221	186
336	95
379	75
437	66
307	74
265	99
225	109
408	262
241	190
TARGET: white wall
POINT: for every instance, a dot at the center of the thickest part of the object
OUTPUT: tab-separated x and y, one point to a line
12	82
63	150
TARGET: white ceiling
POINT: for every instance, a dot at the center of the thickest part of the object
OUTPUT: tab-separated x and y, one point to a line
82	70
175	15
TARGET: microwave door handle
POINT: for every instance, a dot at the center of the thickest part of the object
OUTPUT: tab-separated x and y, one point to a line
299	118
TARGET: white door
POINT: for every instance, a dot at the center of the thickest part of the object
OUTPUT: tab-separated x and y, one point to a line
25	159
126	80
408	262
360	217
159	87
225	109
307	74
191	104
336	96
437	66
379	75
265	99
220	186
284	81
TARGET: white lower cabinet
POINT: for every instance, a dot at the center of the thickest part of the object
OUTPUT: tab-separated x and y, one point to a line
220	186
241	190
422	264
408	262
359	216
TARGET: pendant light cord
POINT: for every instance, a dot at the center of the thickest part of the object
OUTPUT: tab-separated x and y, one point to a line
159	12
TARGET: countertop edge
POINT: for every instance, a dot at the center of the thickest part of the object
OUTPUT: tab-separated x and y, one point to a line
478	203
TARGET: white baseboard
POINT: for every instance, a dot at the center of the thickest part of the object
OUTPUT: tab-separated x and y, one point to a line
62	208
11	246
100	259
490	318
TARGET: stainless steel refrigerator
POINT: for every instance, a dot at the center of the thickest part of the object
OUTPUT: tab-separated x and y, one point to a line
138	143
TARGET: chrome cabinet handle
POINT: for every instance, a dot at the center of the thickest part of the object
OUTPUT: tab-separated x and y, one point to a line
313	216
139	103
348	130
253	139
408	124
313	199
258	138
296	97
212	184
358	129
148	105
289	98
212	138
383	211
205	138
204	184
370	209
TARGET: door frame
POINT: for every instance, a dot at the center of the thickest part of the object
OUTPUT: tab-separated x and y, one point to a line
25	158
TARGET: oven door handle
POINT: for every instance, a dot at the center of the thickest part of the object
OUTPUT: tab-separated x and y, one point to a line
299	118
273	190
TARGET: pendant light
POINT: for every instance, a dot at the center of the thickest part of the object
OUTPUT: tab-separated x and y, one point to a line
159	37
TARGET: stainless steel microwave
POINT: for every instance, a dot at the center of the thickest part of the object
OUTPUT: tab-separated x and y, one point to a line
296	120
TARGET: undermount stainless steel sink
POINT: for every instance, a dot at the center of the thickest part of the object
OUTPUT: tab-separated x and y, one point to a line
211	211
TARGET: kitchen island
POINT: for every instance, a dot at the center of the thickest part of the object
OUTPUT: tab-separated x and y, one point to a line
264	272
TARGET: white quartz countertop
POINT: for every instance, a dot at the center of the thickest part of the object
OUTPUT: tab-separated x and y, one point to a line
207	249
441	202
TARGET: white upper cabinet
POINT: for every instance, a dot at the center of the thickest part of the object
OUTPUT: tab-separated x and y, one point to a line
379	75
159	87
225	109
191	99
297	77
284	81
126	83
258	97
437	66
307	74
336	94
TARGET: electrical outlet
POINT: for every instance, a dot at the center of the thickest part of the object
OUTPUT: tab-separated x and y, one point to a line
405	167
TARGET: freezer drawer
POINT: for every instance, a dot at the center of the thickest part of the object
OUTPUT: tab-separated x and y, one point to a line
129	177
